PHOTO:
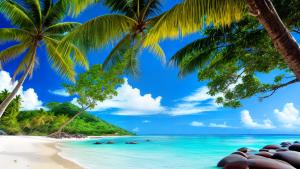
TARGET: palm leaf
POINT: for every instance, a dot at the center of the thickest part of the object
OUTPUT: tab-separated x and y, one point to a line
77	6
100	31
61	28
12	52
28	59
16	14
191	15
115	55
46	6
158	51
13	34
64	65
35	10
56	13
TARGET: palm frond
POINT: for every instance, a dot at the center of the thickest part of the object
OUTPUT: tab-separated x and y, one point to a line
16	14
61	28
13	34
79	57
117	52
158	51
63	65
56	13
34	7
28	59
46	6
100	31
191	15
12	52
131	60
77	6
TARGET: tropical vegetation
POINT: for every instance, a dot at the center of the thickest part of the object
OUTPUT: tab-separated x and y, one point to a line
42	122
37	23
232	59
93	87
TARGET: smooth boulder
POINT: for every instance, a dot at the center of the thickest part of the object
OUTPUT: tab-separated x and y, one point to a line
233	158
295	147
290	157
267	163
271	147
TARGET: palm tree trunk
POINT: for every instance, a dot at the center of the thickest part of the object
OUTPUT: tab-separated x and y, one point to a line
11	96
280	35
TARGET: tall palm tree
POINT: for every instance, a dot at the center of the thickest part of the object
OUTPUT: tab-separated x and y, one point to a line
128	26
37	23
190	15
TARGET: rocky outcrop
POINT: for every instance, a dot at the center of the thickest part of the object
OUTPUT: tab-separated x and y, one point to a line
283	156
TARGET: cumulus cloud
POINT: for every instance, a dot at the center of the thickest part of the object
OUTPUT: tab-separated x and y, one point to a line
129	101
30	100
248	121
289	116
198	102
196	124
215	125
60	92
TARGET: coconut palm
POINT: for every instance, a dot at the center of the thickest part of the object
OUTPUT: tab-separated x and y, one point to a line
127	26
190	15
37	23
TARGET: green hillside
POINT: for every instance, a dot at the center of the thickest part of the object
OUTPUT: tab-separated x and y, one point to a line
41	122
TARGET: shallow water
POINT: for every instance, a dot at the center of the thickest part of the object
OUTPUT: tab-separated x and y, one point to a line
164	152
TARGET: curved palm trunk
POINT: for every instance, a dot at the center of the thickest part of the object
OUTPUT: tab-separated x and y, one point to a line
11	96
280	35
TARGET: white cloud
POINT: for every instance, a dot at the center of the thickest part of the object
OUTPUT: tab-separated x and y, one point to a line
136	129
146	121
198	102
129	101
60	92
196	124
289	116
250	123
215	125
30	100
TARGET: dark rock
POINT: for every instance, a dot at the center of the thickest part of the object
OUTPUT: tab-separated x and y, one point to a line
265	154
148	140
110	142
295	147
281	149
66	135
98	142
296	142
267	163
290	157
244	150
285	144
264	150
241	153
131	142
233	158
237	165
271	147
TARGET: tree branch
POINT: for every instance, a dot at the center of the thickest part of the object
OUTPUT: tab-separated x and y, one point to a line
276	87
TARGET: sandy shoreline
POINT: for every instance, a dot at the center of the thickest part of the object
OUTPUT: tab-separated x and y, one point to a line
29	152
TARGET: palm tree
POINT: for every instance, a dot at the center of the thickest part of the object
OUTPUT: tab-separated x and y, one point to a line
190	15
37	23
128	25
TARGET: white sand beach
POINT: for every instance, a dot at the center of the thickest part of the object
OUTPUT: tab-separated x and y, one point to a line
29	152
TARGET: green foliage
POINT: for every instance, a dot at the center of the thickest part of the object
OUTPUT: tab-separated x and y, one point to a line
10	116
96	85
38	23
41	122
233	59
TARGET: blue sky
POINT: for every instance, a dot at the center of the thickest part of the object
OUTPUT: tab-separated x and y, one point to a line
159	102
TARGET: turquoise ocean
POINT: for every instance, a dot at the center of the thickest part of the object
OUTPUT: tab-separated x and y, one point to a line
163	152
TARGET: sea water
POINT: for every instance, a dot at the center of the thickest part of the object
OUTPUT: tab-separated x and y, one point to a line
163	152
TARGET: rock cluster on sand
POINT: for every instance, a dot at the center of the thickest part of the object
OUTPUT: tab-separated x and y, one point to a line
283	156
66	135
